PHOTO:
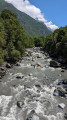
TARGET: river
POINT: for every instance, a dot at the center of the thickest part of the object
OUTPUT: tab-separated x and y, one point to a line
34	90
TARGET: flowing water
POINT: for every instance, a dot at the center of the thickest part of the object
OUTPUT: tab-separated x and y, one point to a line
35	89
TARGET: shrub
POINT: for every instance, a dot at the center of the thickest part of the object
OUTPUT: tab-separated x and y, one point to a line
1	61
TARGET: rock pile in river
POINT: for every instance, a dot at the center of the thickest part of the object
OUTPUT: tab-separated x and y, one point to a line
2	71
61	89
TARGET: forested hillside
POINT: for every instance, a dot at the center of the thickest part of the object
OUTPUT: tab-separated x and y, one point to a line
31	26
13	39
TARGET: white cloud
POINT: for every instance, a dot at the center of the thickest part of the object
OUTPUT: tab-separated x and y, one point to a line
26	7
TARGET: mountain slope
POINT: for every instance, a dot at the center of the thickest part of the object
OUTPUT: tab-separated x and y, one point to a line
31	26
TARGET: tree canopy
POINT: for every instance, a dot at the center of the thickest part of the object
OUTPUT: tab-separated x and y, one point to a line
13	39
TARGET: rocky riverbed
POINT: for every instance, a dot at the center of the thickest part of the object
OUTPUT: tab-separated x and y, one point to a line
32	90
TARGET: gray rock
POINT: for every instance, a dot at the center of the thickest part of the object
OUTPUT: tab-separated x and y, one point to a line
28	93
38	91
2	68
30	74
62	71
37	56
0	77
20	76
59	92
17	64
63	83
38	85
33	59
2	73
54	63
61	105
20	104
34	117
65	115
8	65
39	65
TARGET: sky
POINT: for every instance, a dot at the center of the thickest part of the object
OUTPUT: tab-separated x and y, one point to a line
53	13
54	10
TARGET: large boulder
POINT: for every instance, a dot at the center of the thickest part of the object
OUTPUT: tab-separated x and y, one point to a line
54	63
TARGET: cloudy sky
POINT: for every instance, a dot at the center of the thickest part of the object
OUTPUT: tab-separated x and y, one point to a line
43	10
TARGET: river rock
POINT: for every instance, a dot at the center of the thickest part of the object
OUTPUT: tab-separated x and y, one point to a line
37	56
20	104
0	77
33	59
38	85
63	83
8	65
28	93
2	68
17	64
54	63
30	74
61	105
2	71
59	92
32	116
39	65
65	115
28	53
62	71
33	64
20	76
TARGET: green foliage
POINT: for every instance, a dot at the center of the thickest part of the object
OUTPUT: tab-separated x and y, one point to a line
7	14
39	41
56	44
2	35
13	39
15	55
1	61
